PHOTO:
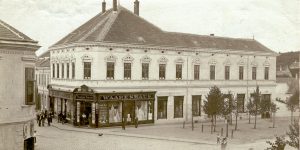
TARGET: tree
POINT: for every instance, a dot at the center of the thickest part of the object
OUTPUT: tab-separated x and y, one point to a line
293	103
279	143
213	105
256	103
293	135
273	109
251	109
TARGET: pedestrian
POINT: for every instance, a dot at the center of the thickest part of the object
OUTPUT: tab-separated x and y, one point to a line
37	117
40	119
218	138
49	119
43	119
59	117
123	123
136	122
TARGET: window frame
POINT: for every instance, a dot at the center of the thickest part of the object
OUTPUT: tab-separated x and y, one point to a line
196	72
162	71
227	72
127	71
212	70
267	70
179	71
241	72
196	98
87	70
57	69
110	70
145	71
178	100
254	73
29	84
73	70
164	100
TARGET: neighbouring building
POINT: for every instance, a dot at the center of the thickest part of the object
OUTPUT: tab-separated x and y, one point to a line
17	109
118	65
42	75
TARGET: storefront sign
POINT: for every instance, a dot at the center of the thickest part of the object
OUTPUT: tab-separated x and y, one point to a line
136	96
84	97
61	94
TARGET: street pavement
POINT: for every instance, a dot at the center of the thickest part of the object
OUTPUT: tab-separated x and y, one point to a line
154	137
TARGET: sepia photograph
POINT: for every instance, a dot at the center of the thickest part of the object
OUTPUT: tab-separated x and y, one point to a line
149	74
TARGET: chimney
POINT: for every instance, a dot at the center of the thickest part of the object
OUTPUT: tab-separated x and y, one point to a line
115	5
137	7
103	6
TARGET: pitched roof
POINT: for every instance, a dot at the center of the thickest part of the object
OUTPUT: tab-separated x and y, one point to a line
8	32
45	62
125	27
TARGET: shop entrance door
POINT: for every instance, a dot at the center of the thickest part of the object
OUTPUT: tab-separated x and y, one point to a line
85	113
128	111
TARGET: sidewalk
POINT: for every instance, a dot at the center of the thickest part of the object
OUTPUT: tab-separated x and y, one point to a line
117	131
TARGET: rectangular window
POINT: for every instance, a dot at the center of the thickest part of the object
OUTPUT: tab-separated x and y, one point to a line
162	71
196	105
87	70
178	106
241	72
62	70
57	73
73	70
110	70
127	71
145	71
178	71
68	70
253	73
29	86
162	103
240	103
266	73
212	72
196	72
227	72
53	70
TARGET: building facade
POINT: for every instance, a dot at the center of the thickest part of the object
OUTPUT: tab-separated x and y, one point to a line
42	75
17	109
118	65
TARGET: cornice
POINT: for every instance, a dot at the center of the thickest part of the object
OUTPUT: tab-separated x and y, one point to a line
168	48
16	52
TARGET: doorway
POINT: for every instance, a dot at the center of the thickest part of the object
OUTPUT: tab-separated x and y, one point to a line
128	111
85	113
29	144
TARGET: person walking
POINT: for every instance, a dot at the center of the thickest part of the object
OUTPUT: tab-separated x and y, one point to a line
49	118
40	119
43	119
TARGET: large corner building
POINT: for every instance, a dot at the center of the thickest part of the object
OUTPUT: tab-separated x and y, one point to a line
118	65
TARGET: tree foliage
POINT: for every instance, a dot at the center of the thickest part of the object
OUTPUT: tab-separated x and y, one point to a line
279	143
293	135
213	105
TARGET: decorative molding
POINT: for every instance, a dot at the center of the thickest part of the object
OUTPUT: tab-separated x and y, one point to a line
17	52
179	60
110	58
241	62
227	62
128	59
254	63
196	60
212	61
162	60
266	63
146	59
87	58
28	58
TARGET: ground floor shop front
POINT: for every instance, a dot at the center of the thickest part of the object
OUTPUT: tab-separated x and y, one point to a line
84	107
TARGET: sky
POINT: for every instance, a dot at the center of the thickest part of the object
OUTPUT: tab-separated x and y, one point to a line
274	23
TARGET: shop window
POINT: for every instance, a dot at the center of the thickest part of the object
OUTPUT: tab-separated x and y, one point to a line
227	72
29	86
196	72
162	103
241	72
73	70
127	71
103	113
266	73
115	112
241	102
196	105
178	71
87	70
57	68
68	70
178	106
253	73
145	71
141	110
110	70
162	71
212	72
